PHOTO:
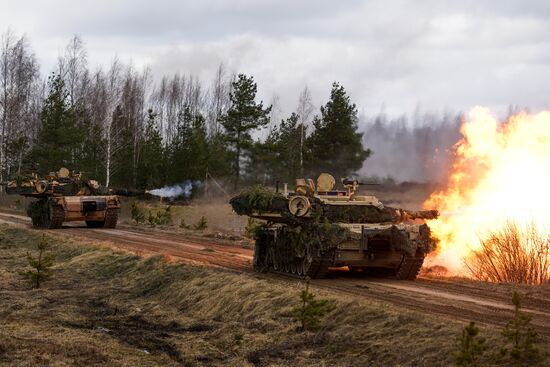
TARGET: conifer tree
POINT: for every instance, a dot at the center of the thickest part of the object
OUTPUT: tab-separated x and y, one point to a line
279	156
59	138
242	118
471	346
190	149
521	334
150	168
335	146
41	265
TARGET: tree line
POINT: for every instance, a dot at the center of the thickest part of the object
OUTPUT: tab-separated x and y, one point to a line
119	126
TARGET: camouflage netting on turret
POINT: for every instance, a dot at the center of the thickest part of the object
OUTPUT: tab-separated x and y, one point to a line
260	199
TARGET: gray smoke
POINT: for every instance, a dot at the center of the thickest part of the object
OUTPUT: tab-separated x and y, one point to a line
184	189
417	148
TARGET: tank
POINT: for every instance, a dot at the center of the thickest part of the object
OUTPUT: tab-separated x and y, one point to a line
317	227
63	196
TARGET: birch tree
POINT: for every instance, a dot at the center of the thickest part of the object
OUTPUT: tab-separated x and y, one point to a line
18	77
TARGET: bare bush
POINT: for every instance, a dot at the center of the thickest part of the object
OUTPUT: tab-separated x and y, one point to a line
513	254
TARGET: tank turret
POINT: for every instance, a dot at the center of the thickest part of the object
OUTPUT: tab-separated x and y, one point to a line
318	226
63	196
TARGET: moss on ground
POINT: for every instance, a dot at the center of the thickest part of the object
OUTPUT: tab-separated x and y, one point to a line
103	307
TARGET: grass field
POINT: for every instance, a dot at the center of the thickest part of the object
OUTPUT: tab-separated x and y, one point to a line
103	307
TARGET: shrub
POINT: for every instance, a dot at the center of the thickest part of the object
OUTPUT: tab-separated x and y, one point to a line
183	224
521	334
202	224
471	346
137	214
164	217
513	254
41	266
311	310
151	219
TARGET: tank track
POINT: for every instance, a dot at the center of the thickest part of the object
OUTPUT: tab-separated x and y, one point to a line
111	218
301	267
57	216
410	266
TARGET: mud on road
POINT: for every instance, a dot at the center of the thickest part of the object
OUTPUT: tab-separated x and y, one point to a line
487	304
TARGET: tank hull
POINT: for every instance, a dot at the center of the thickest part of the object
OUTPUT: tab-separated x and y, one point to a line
397	250
96	211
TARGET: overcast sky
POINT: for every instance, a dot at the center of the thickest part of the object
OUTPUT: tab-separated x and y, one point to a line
398	54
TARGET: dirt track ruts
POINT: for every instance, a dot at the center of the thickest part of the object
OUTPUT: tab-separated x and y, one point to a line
461	300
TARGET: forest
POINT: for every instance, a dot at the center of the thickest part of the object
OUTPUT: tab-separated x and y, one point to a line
119	126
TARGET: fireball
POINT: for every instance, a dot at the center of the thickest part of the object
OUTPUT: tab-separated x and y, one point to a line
500	174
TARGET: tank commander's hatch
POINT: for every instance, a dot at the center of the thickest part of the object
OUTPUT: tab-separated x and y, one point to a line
63	172
325	182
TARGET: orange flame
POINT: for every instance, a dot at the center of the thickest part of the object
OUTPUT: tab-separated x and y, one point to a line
501	173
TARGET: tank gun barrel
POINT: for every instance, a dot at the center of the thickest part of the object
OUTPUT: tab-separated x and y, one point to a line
350	182
129	192
421	214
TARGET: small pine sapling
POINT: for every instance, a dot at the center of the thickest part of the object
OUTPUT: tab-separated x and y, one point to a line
521	334
311	310
151	219
41	266
184	225
137	214
471	346
164	217
202	224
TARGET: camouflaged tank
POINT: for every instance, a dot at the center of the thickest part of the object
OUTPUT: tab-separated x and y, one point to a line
316	227
65	197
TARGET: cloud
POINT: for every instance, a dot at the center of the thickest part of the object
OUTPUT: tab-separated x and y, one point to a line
397	54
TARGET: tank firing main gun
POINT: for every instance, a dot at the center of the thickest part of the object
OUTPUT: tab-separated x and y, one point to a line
65	196
64	183
317	226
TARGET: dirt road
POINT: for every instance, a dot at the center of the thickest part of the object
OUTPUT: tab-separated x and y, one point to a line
463	300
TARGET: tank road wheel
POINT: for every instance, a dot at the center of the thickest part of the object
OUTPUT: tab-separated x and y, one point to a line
410	266
275	264
287	266
294	266
300	267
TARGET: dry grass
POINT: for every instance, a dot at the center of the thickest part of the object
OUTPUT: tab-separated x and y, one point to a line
103	307
513	254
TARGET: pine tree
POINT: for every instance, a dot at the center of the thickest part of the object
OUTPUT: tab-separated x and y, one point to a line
190	149
150	171
335	146
471	346
59	138
311	310
279	155
521	334
41	266
242	118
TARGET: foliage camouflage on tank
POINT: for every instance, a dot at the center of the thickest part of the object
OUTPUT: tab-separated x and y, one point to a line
316	227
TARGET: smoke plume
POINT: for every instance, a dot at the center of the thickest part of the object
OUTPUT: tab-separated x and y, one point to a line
184	189
416	148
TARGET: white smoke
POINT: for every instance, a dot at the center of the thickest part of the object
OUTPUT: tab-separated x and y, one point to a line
184	189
